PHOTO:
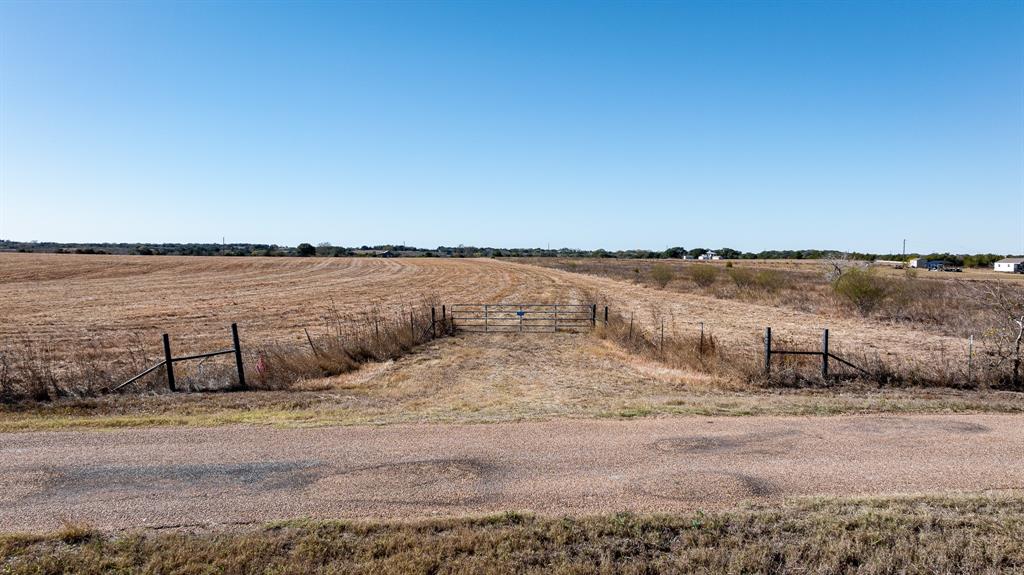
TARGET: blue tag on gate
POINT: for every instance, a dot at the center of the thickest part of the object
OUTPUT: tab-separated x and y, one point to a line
520	313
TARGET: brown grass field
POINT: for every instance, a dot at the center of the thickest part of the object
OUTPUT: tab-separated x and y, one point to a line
107	308
70	303
76	312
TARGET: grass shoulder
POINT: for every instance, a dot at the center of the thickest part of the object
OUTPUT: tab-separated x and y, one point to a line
976	533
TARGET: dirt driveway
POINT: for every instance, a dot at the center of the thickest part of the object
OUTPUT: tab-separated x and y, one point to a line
208	476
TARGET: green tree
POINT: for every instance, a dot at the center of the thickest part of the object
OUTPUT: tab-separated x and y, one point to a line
306	250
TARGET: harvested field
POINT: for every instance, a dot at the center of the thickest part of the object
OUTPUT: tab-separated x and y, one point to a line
68	301
104	308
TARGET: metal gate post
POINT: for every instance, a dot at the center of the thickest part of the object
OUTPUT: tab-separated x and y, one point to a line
485	317
767	351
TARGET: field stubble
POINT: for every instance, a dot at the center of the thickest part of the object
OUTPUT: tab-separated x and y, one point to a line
94	315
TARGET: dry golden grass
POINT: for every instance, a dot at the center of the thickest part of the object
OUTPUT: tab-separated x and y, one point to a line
84	312
953	534
484	378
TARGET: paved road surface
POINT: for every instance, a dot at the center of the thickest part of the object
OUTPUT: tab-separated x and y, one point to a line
191	476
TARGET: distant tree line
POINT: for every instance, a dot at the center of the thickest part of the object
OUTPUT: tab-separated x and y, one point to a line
324	249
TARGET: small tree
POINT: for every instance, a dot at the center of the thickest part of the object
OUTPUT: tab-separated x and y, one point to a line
306	250
661	274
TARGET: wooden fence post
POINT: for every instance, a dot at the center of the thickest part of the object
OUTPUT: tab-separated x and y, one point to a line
606	316
767	351
824	354
700	346
169	362
593	315
238	355
661	345
433	322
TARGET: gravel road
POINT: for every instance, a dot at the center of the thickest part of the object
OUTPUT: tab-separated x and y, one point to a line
170	477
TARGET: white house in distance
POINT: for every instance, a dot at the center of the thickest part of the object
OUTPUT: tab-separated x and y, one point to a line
1010	265
918	263
709	256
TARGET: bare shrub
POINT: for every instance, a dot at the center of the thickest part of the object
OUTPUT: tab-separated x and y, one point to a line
662	274
865	290
703	275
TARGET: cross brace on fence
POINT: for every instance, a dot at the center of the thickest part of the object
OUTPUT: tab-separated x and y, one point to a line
169	361
824	353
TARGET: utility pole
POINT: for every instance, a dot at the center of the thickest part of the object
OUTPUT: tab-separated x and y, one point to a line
904	248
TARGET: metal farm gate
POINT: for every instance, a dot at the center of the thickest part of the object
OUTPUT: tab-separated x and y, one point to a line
523	317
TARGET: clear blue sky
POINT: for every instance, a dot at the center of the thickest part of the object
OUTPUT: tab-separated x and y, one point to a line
748	125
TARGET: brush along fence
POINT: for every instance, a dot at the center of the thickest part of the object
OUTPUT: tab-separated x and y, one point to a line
523	317
169	361
824	354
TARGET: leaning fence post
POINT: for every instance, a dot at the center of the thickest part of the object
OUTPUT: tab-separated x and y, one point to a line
661	345
631	327
700	348
169	362
824	354
767	351
238	355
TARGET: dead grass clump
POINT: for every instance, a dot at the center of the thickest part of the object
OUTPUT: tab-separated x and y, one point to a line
28	372
700	351
349	342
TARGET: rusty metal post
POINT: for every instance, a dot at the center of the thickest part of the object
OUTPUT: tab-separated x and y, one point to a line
767	351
